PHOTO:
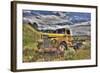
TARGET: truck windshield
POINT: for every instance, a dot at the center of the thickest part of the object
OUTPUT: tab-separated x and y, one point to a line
59	31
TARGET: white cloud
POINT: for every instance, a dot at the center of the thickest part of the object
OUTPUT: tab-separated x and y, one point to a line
26	11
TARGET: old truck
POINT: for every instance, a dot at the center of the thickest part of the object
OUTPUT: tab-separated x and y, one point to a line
60	38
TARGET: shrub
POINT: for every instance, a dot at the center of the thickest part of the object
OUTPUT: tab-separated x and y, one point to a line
69	53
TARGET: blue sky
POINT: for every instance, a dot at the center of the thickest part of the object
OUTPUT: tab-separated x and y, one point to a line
74	16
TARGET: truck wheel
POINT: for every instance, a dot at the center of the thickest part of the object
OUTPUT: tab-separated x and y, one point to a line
62	47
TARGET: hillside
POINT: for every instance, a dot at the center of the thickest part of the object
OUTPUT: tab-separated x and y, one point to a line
30	36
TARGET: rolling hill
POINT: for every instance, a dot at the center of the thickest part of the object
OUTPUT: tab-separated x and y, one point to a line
30	36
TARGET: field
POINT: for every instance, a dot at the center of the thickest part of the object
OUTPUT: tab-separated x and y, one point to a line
31	54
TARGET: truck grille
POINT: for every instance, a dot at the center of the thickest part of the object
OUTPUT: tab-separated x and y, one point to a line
46	43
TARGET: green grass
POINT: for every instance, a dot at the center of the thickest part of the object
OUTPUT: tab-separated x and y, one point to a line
30	37
82	54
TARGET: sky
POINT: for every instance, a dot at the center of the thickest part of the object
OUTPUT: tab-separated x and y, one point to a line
74	17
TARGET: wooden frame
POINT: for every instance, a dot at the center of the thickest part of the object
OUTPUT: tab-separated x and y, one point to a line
14	35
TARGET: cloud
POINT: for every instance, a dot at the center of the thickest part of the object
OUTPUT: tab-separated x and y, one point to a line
26	11
61	14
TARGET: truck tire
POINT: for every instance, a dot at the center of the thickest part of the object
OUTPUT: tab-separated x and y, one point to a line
62	47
